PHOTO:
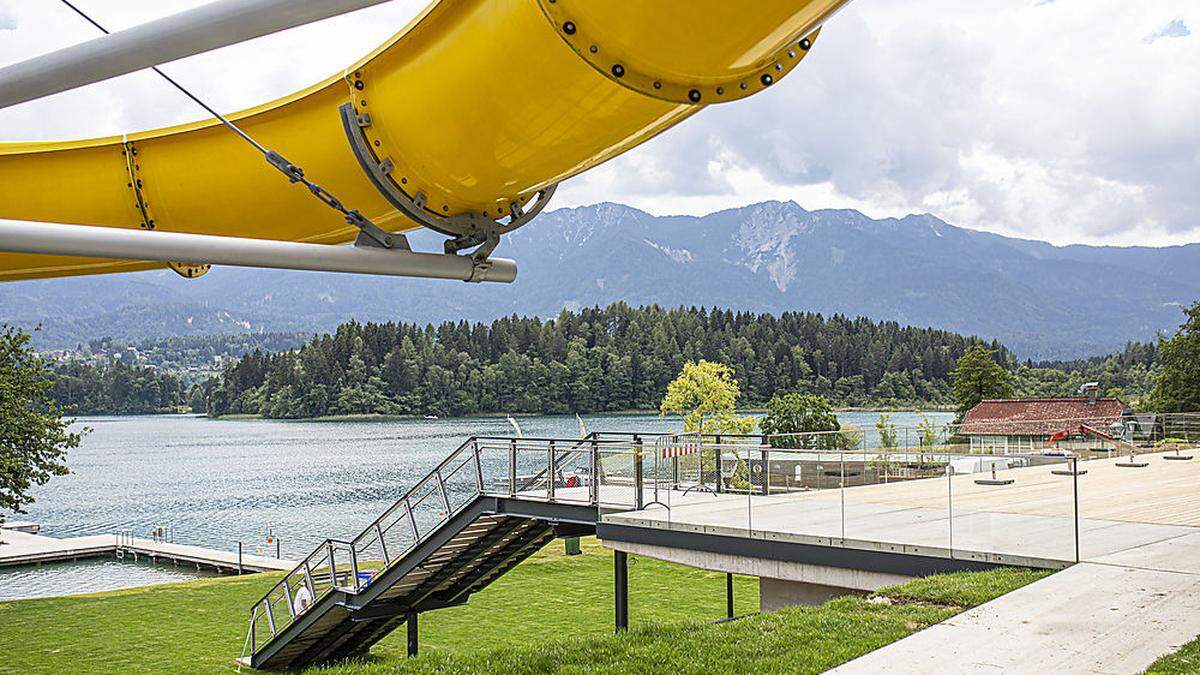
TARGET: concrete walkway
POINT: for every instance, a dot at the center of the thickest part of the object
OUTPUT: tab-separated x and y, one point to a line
1115	613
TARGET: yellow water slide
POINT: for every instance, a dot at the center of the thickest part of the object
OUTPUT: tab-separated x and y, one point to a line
473	109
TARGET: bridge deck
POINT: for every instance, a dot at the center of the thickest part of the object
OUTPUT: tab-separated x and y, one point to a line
1030	522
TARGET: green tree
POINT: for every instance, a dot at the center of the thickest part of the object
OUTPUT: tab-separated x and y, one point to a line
34	439
976	377
1178	386
705	395
887	431
800	414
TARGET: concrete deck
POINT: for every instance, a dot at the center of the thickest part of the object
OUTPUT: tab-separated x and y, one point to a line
1030	522
21	548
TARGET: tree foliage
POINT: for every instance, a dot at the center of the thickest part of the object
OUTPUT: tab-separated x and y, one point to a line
797	413
1178	385
34	437
977	376
593	360
888	438
705	395
117	389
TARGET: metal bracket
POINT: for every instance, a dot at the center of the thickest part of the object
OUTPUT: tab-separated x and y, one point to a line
466	230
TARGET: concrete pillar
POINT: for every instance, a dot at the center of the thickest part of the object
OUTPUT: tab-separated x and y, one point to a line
775	594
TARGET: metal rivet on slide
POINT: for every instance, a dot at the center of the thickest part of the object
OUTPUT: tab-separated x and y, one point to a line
593	49
805	44
569	28
658	85
720	91
618	70
694	96
767	79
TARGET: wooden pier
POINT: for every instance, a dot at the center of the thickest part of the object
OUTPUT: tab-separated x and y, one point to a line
22	548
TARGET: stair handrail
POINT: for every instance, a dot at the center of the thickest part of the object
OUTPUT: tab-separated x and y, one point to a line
586	444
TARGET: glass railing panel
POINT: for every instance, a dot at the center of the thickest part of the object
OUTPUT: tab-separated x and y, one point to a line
461	479
532	470
429	509
618	477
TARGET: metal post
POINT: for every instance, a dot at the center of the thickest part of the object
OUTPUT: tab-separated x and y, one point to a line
729	595
717	458
766	472
382	545
442	491
950	502
594	478
287	596
239	569
638	475
413	641
412	520
552	470
1075	491
512	468
270	617
308	581
478	466
621	590
278	549
333	582
354	566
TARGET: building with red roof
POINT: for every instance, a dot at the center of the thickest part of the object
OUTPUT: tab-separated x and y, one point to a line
1026	424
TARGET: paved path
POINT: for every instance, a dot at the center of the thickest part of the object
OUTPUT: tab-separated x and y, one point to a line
21	548
1116	613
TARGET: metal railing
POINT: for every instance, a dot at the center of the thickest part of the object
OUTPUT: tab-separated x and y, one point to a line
634	471
588	471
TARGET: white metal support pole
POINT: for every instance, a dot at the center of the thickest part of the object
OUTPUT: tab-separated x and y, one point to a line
159	246
195	31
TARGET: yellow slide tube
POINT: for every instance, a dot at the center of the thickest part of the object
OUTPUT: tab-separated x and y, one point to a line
477	104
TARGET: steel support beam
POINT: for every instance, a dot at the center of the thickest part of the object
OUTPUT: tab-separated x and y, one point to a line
195	31
621	590
413	641
159	246
728	595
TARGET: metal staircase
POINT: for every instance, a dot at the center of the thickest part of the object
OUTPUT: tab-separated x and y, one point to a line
489	505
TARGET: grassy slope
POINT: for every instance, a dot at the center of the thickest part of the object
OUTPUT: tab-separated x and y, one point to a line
1186	660
552	611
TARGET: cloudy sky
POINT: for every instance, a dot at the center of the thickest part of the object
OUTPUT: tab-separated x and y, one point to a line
1072	121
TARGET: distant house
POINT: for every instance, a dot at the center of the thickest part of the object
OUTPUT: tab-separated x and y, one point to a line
1007	425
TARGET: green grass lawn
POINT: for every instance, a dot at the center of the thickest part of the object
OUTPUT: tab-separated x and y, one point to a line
552	612
1186	660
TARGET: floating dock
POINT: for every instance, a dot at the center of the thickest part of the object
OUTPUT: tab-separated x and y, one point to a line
22	548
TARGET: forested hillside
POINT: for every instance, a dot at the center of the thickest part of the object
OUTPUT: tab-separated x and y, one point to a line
116	389
617	358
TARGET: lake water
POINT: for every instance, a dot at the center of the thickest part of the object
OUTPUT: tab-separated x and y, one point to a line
217	482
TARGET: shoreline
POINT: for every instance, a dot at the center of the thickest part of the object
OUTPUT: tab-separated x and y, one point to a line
370	417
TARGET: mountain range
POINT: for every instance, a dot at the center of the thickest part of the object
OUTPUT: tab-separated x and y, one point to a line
1042	301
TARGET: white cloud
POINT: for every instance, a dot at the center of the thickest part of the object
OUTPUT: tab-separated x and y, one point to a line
1049	120
7	20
